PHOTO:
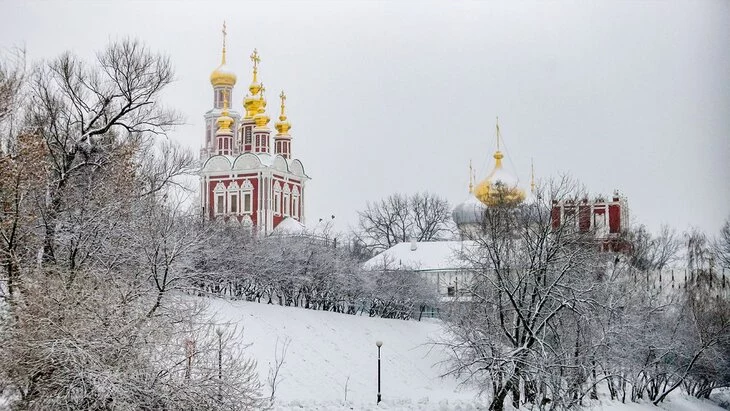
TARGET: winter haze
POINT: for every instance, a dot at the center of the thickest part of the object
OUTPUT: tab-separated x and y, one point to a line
397	97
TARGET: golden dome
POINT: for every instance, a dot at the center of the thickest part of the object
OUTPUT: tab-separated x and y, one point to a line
251	103
261	119
499	187
223	76
283	126
225	121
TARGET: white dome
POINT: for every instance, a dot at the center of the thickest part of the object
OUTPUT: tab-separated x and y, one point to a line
470	211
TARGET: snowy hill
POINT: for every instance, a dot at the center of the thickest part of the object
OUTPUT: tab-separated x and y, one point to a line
329	351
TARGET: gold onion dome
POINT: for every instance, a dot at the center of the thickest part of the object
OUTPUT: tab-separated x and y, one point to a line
500	187
283	126
225	121
261	119
223	76
251	103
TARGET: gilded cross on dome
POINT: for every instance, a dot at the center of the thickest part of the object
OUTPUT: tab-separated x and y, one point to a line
256	59
224	34
282	96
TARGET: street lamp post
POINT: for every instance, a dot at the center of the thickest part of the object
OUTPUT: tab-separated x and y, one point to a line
379	344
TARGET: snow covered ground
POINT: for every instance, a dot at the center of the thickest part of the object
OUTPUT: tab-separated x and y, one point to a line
331	355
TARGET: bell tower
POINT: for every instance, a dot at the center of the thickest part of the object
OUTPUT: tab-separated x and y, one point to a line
223	80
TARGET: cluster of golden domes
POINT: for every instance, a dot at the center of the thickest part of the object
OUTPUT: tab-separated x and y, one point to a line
254	103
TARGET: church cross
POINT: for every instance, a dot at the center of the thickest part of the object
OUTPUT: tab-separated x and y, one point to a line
224	34
256	59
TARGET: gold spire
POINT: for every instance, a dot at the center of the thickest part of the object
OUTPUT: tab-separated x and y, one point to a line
225	121
282	97
222	76
532	177
283	126
223	56
498	156
255	87
471	178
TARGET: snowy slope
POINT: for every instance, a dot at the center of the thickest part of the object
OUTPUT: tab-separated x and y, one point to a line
326	348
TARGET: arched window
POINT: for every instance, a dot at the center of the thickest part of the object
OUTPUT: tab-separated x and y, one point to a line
247	197
287	203
277	198
295	202
233	198
247	139
219	196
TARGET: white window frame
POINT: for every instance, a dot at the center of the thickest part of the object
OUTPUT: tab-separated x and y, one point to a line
219	193
247	193
295	202
287	200
277	198
233	190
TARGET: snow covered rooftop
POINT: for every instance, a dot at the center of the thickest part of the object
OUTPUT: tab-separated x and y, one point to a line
424	256
290	226
252	161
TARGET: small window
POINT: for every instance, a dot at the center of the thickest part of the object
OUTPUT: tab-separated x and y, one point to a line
219	205
247	202
295	206
234	203
277	202
248	135
286	204
451	291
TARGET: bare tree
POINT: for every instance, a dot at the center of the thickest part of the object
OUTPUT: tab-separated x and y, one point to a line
84	112
12	80
722	245
274	379
531	286
653	252
705	336
399	218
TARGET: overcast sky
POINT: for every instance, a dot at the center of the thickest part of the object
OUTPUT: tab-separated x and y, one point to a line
389	97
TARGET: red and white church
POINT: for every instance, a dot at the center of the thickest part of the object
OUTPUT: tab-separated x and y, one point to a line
243	176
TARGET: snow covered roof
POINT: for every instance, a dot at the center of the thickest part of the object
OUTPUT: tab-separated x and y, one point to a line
427	256
253	161
290	226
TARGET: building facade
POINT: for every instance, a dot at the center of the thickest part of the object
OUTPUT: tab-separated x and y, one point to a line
606	218
244	177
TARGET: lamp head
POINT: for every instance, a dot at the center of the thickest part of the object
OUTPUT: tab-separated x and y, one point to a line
379	343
